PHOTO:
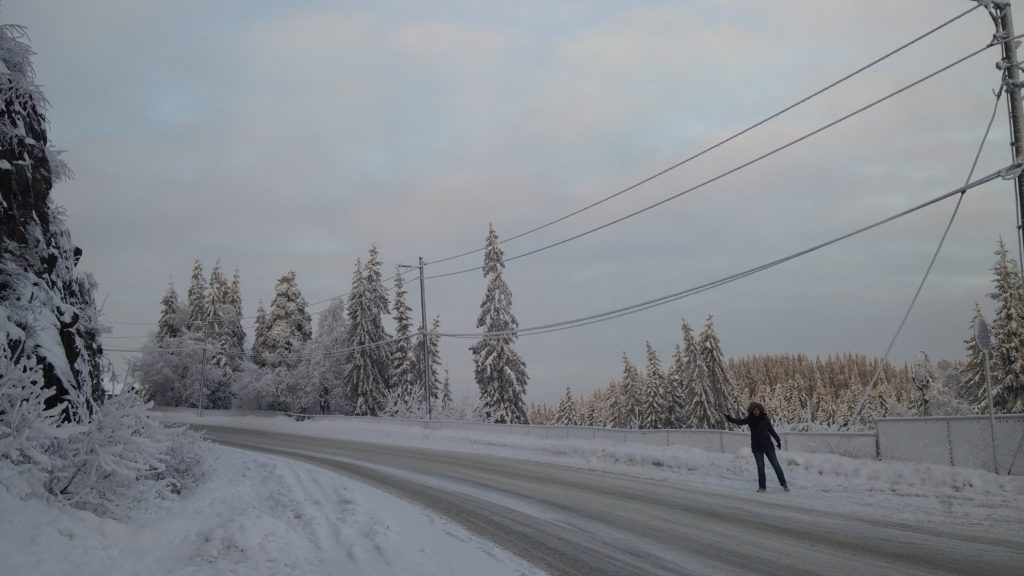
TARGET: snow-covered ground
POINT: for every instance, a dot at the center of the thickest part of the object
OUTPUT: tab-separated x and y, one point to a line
255	515
258	514
973	500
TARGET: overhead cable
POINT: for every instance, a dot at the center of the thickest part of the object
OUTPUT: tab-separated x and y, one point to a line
640	306
724	141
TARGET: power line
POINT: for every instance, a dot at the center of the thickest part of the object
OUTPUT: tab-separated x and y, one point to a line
935	256
706	182
638	307
312	353
720	143
731	171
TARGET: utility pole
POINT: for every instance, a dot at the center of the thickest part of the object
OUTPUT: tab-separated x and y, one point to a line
1002	16
426	342
202	369
424	334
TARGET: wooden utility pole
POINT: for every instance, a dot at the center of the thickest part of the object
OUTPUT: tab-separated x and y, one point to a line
425	334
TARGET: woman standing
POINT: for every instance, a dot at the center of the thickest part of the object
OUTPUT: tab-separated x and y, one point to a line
761	434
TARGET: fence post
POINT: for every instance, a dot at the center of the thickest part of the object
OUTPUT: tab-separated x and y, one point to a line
949	441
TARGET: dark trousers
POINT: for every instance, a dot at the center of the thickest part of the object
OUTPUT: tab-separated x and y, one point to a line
759	457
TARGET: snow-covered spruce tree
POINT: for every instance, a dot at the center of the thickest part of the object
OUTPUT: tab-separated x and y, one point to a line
972	371
675	381
700	410
434	365
48	317
629	403
197	313
169	325
499	371
567	415
366	378
718	379
656	394
446	392
259	336
288	325
377	301
221	320
1008	333
404	375
588	412
924	380
235	320
328	361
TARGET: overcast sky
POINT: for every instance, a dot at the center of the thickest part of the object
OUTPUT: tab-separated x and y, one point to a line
284	136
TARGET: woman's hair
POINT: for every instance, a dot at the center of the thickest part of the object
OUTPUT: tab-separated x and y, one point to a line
758	405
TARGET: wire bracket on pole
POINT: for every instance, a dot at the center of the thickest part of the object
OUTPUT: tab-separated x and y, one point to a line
1012	171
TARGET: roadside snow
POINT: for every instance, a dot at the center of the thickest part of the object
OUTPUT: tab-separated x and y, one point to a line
974	500
255	515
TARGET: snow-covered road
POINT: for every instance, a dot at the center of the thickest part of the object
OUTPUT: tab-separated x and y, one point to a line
572	521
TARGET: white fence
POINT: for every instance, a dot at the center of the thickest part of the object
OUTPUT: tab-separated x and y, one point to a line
955	441
951	441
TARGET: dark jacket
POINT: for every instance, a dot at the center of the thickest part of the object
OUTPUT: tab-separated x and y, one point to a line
761	431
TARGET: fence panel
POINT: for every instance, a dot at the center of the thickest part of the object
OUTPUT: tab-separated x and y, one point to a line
914	440
706	440
955	440
851	445
1010	444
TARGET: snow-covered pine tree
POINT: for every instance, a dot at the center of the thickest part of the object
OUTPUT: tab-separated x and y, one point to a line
366	377
48	317
675	381
700	411
434	366
169	325
588	413
235	321
197	298
259	336
327	362
972	371
220	319
1008	334
614	405
446	392
377	300
404	375
719	383
656	393
499	371
629	404
924	380
566	415
288	325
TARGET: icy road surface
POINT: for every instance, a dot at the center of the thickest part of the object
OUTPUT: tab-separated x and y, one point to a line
571	521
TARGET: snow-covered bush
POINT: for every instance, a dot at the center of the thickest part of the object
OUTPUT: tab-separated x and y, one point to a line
171	374
122	457
26	425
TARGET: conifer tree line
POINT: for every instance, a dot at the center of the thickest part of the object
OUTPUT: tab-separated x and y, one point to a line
352	364
808	394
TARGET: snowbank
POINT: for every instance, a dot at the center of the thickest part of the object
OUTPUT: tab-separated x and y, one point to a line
256	516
